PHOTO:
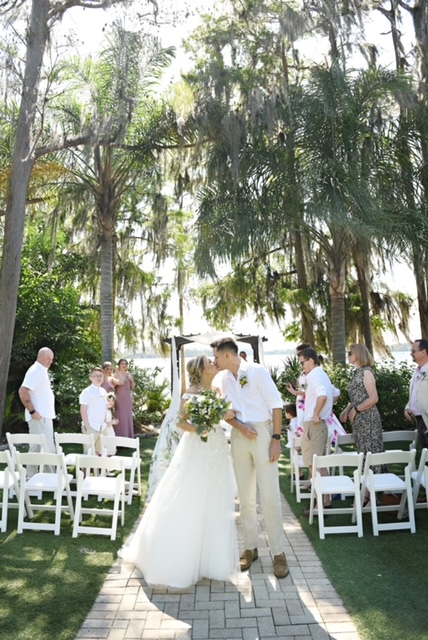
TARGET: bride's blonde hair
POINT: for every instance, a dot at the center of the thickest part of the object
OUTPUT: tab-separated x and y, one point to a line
195	368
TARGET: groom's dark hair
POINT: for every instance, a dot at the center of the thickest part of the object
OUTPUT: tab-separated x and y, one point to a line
225	344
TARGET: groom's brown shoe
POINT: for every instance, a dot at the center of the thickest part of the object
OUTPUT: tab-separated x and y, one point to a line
280	566
248	558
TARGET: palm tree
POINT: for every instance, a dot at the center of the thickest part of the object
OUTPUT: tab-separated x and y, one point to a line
116	172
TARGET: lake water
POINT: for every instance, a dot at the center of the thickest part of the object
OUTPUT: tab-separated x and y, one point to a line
271	360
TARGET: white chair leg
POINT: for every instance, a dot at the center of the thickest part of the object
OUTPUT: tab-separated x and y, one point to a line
320	507
4	507
375	521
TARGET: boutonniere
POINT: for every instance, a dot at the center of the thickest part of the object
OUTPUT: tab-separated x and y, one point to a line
424	375
243	381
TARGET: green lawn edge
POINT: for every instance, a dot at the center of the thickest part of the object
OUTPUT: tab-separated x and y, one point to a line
49	583
383	581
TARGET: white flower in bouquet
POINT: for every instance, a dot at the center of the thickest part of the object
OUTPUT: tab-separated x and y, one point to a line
204	411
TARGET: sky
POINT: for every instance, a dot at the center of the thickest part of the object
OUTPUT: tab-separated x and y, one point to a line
89	26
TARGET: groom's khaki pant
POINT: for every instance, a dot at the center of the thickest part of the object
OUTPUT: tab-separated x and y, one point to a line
253	468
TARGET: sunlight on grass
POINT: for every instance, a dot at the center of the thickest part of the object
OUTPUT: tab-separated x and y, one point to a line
41	594
382	580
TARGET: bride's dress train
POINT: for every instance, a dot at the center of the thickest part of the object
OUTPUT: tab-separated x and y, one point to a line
188	530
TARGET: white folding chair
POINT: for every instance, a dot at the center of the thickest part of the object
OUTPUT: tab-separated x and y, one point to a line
297	468
332	484
28	440
56	482
101	486
403	436
15	440
7	482
376	483
344	440
419	479
85	441
303	487
131	464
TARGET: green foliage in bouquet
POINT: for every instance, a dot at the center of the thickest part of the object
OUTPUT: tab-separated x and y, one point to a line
204	411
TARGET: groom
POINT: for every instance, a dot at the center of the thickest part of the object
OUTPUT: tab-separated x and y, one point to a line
255	447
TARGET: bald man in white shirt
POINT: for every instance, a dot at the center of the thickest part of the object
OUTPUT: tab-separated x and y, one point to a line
38	398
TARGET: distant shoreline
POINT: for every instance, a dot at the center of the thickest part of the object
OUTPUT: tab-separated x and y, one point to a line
195	351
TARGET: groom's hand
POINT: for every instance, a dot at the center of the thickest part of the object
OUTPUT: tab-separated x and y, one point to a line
248	431
245	429
274	450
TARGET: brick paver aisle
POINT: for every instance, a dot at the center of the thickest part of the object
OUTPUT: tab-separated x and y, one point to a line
256	606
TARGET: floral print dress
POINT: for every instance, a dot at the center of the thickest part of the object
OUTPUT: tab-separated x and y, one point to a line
367	426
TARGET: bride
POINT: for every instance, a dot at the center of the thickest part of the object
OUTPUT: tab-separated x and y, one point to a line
188	529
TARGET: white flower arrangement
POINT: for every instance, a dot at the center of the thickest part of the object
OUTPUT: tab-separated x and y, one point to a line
204	411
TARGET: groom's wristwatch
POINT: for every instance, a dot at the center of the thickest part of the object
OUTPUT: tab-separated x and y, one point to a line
276	436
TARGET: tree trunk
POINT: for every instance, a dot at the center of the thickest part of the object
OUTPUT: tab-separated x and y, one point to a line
360	261
22	163
307	317
420	24
421	288
338	327
106	296
337	273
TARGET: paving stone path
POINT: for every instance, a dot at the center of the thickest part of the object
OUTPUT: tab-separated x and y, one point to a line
255	606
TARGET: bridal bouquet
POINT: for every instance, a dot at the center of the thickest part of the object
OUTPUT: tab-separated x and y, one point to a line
204	411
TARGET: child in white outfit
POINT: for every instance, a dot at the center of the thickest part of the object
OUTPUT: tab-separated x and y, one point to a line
110	422
293	427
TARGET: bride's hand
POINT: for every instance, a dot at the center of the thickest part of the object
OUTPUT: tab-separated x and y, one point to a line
229	415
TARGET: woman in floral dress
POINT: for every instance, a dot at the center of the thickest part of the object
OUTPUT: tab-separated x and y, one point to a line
362	411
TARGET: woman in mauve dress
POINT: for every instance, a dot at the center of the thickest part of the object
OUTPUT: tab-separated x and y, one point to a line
124	383
108	382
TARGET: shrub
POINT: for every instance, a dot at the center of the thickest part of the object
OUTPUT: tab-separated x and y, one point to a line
151	399
69	380
392	381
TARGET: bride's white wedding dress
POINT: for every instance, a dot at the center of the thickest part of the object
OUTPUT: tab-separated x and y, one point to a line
188	530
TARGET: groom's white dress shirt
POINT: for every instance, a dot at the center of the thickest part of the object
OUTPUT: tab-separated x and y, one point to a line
253	394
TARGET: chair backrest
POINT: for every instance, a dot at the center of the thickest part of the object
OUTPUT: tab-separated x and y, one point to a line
338	460
99	463
343	440
16	439
390	458
85	439
5	458
41	459
295	441
109	442
421	468
401	436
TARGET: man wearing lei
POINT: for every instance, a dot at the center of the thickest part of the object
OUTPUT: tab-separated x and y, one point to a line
255	448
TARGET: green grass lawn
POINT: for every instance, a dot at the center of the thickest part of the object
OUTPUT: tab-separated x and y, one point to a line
49	583
382	580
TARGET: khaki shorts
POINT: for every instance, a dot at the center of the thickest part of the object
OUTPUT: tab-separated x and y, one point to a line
314	441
